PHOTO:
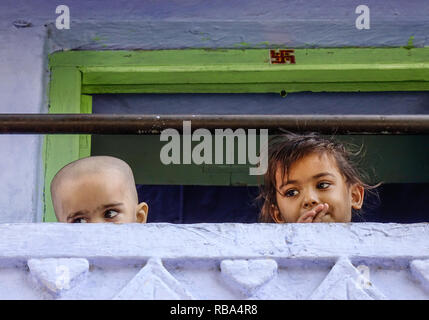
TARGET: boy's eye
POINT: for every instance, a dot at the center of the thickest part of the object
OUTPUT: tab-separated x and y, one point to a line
323	185
79	220
291	193
109	214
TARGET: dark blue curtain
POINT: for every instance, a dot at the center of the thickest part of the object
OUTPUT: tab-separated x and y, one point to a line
400	203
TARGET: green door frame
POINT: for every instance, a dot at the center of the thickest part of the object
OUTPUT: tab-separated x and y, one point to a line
77	74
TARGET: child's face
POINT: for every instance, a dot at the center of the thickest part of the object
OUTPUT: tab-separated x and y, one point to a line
316	192
98	197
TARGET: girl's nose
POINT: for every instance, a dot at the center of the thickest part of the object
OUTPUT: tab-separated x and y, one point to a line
310	200
310	204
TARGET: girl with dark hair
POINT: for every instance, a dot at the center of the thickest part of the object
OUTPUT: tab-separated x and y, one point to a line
310	179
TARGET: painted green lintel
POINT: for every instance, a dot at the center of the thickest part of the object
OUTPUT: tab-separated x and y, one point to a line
205	57
193	70
257	88
417	73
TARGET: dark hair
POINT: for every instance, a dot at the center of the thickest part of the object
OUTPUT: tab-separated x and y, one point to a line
288	148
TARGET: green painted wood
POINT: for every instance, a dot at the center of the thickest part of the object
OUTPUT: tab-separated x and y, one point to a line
59	150
65	90
142	153
262	74
85	139
391	159
258	88
226	71
223	57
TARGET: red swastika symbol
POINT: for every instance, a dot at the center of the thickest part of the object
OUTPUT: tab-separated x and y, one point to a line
282	56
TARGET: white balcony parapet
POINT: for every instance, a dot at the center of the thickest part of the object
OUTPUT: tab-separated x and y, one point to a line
214	261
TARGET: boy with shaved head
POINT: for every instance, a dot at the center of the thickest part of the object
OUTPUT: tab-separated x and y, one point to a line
97	189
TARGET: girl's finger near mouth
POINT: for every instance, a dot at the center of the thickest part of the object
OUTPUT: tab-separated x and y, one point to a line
309	216
322	213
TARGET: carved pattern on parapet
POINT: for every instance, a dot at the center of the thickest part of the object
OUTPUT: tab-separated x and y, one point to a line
345	282
58	275
420	271
153	282
248	276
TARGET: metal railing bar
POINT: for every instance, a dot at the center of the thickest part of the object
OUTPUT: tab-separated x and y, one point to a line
155	123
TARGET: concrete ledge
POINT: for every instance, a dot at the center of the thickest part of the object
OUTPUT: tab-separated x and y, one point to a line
214	261
214	241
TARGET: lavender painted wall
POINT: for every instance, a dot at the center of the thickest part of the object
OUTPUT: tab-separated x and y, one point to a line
23	78
164	24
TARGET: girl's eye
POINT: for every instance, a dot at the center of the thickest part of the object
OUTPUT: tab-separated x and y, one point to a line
80	220
109	214
323	185
291	193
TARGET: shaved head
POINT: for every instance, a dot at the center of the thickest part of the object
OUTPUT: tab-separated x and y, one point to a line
112	170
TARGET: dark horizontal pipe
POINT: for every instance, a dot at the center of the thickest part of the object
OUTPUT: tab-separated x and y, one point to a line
154	124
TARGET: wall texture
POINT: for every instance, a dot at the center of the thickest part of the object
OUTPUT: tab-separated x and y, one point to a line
23	78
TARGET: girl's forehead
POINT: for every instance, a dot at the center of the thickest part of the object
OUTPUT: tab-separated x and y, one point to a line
306	165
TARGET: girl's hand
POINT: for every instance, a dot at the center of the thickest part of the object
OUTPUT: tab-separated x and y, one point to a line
315	214
321	214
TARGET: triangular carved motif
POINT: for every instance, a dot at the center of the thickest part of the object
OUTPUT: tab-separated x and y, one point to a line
345	282
153	282
420	271
58	275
